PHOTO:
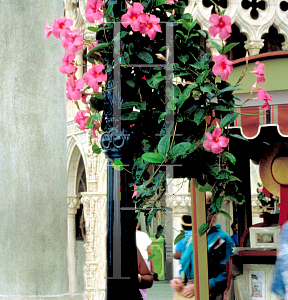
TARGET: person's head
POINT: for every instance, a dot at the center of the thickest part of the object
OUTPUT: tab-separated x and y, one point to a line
186	222
234	227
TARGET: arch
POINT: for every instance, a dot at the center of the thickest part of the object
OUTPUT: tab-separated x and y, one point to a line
75	152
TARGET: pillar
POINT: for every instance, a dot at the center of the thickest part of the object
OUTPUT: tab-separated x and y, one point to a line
254	46
73	203
33	160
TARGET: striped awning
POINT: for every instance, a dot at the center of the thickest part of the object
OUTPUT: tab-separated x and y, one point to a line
251	119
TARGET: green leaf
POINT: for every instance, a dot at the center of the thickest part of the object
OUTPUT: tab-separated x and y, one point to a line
123	34
228	89
203	33
162	48
230	157
145	56
130	83
195	183
155	80
96	149
238	136
96	116
225	214
153	157
131	48
187	91
133	115
182	34
234	178
182	149
126	58
179	237
200	79
109	10
183	58
217	46
162	117
229	47
117	165
199	115
207	88
203	228
228	119
94	29
186	25
164	145
205	188
159	2
219	202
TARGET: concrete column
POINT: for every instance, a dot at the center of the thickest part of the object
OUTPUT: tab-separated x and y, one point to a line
33	162
73	204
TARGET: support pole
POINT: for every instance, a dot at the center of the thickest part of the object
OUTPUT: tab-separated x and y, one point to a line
199	244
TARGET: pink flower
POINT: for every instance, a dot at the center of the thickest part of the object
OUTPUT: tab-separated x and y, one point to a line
96	125
132	16
223	66
170	1
221	25
73	42
68	66
61	26
149	25
48	30
259	190
274	197
73	88
92	45
259	72
94	76
92	11
83	99
131	125
144	77
263	95
81	118
215	141
135	191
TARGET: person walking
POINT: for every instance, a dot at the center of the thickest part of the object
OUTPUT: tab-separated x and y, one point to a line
186	223
143	243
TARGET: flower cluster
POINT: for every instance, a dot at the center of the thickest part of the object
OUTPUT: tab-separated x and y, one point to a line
140	21
72	42
263	199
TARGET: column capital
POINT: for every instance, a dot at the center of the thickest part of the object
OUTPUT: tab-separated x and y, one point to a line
73	203
254	46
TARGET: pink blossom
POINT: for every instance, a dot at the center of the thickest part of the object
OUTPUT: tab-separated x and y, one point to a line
73	88
73	42
48	30
92	45
149	25
94	76
223	66
215	141
81	118
259	190
132	16
84	99
92	11
274	197
131	125
170	1
68	66
221	25
259	72
61	26
144	77
160	56
263	95
135	191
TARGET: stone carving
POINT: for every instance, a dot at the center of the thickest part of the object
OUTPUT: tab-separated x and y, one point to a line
73	203
95	224
254	47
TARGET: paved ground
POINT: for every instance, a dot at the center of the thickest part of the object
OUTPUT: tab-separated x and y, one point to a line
160	290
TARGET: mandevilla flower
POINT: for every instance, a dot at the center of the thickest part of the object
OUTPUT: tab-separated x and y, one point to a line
96	125
263	95
132	16
259	72
92	11
61	26
223	66
221	25
73	42
48	30
73	88
170	1
68	66
94	76
135	191
149	25
81	118
215	141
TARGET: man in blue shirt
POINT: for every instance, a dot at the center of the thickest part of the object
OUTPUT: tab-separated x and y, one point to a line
219	246
186	223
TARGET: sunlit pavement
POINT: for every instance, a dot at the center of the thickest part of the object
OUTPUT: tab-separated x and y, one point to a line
160	290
